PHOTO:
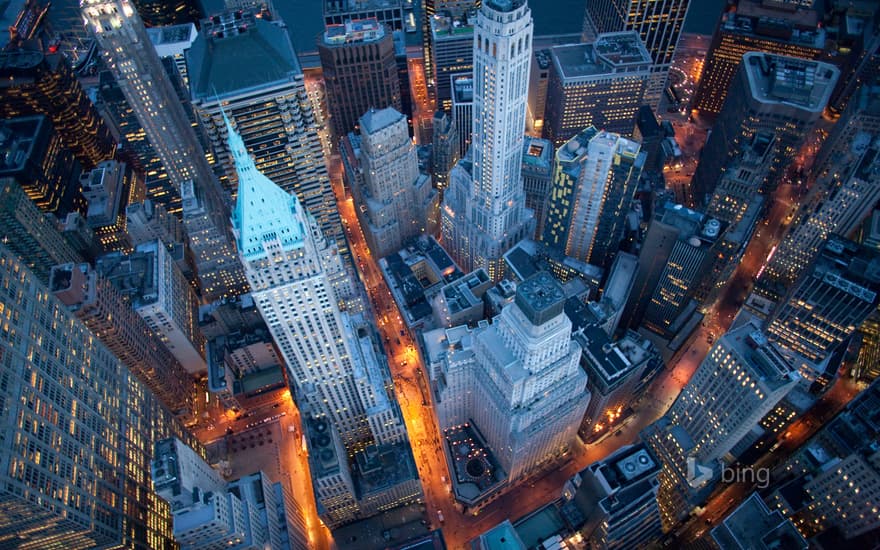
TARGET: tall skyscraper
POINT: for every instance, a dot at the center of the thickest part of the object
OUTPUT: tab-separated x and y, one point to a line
157	290
34	155
599	84
740	381
754	26
658	22
784	96
130	56
334	364
444	148
595	178
69	401
394	200
519	381
30	233
452	51
537	175
265	97
360	71
104	310
109	189
484	212
743	179
463	111
431	8
32	83
835	294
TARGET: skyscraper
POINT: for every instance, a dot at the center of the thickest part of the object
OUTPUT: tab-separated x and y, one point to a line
104	310
784	96
452	52
266	97
595	178
360	71
387	12
34	155
88	489
33	83
658	22
754	26
109	189
444	148
30	233
484	211
835	294
537	175
156	13
518	381
599	84
394	200
129	54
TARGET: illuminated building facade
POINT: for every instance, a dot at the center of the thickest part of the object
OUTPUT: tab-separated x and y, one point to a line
594	180
835	294
360	71
444	148
599	84
784	96
28	232
483	213
104	310
109	189
742	180
269	102
33	83
452	52
34	155
658	23
131	57
754	26
394	200
89	487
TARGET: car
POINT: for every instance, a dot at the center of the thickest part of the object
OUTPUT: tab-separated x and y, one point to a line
440	516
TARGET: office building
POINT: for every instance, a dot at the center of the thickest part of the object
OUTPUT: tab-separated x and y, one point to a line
742	180
109	189
128	53
537	175
30	233
452	51
33	83
208	512
595	179
779	95
387	12
833	480
483	212
104	310
173	41
444	148
538	79
518	381
599	84
658	24
739	382
79	236
34	155
842	197
753	525
360	71
157	290
394	199
157	13
266	97
835	294
784	29
147	221
89	488
430	8
617	499
618	286
463	111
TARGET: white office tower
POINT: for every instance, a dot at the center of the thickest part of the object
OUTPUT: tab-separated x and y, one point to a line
394	199
129	54
484	213
250	513
521	384
289	265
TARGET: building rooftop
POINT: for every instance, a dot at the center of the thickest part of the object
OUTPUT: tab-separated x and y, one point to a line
344	6
235	53
752	525
501	537
538	152
610	53
17	140
790	81
376	119
322	450
134	275
462	89
381	467
783	22
764	359
540	297
445	26
354	31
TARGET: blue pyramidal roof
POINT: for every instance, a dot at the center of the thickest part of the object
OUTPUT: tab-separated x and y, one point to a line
263	211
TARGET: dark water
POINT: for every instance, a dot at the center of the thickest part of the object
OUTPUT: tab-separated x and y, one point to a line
303	17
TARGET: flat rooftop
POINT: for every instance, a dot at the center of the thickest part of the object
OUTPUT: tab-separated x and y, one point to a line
355	30
610	53
753	526
791	81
